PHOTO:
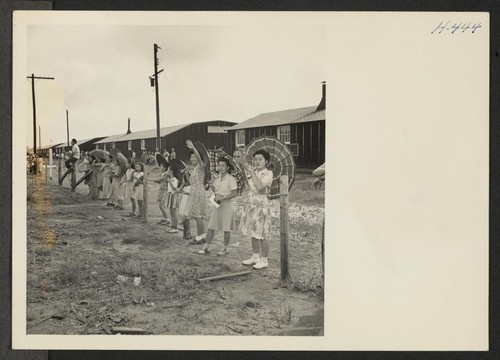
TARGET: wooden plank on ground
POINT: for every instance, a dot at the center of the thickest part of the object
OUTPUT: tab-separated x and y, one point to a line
225	276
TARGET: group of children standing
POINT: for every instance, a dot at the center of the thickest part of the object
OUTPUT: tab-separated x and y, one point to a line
182	195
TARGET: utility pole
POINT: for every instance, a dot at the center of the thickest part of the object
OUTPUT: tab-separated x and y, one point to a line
154	81
33	77
67	127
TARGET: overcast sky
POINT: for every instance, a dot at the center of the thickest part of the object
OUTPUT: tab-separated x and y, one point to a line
211	73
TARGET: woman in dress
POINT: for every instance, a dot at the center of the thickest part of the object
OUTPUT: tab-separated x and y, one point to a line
98	167
173	197
198	199
116	185
106	183
256	219
162	192
222	219
127	183
138	193
185	204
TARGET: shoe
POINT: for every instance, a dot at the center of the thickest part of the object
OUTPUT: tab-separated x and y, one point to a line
130	215
173	231
189	237
251	261
204	251
119	208
223	252
163	221
261	265
196	242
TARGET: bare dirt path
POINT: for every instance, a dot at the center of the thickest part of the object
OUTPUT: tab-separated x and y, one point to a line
74	259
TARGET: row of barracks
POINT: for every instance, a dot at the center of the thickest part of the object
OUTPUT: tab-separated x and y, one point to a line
302	129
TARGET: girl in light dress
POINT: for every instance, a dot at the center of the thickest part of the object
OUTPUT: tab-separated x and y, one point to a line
127	184
173	197
98	167
256	219
198	198
185	204
162	193
138	190
106	182
116	185
222	219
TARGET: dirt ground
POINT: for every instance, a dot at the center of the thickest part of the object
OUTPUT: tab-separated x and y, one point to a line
75	257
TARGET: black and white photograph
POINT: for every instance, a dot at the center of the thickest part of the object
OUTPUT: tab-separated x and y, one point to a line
170	193
175	180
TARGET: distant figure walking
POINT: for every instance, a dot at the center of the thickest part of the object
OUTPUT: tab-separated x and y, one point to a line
172	154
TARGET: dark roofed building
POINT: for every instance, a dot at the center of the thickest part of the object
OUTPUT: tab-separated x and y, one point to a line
302	129
210	133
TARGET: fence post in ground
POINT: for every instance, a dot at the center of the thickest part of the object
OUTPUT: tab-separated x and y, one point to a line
46	170
50	163
323	250
73	176
284	226
145	194
59	170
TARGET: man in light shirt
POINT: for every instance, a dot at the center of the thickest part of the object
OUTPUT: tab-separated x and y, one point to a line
74	154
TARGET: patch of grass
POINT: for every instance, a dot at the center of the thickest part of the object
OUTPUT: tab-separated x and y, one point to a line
131	240
31	198
71	270
301	192
118	230
31	314
311	281
283	314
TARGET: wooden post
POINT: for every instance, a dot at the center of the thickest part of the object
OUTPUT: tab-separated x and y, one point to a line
73	176
67	127
323	251
145	194
51	160
46	170
284	226
59	170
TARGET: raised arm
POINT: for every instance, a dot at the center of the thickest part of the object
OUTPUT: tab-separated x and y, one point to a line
191	147
259	185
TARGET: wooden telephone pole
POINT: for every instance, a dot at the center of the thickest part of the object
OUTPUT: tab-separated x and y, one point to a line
67	127
33	77
154	81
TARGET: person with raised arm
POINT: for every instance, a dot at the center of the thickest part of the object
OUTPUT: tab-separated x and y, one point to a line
198	199
256	219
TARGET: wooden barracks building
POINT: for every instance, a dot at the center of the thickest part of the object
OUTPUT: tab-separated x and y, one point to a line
302	129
